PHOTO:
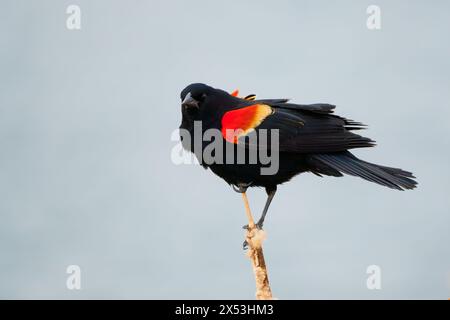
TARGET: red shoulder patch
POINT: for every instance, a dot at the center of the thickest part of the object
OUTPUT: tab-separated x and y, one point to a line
239	122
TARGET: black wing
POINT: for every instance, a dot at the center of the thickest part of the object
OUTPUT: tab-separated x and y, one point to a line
311	128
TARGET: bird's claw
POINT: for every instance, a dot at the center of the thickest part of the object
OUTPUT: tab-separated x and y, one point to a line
258	225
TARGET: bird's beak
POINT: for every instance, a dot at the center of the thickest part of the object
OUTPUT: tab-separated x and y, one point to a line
189	102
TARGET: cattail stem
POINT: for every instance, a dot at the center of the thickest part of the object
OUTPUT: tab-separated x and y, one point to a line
251	222
254	238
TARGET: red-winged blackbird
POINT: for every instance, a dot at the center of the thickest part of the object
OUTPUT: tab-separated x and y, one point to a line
311	138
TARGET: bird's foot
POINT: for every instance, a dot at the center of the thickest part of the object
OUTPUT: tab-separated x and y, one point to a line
241	187
258	225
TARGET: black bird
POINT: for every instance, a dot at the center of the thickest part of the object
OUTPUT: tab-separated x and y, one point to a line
311	139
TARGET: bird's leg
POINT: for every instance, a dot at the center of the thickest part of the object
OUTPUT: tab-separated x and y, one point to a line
270	195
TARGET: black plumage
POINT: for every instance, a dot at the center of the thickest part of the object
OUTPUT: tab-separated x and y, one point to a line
311	139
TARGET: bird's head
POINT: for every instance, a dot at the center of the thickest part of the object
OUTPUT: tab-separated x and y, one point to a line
199	99
194	96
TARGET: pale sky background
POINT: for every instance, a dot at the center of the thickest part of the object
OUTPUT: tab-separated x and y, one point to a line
86	176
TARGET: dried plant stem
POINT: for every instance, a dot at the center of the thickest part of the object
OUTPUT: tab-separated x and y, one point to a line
254	238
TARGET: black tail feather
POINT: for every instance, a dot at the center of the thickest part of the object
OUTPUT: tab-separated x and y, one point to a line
347	163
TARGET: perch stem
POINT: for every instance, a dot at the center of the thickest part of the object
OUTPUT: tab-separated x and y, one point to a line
254	239
251	222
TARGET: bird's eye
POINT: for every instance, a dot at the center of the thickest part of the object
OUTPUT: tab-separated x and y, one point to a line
200	97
